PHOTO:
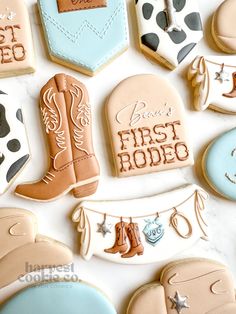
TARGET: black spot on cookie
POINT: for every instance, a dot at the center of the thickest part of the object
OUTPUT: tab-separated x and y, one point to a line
193	21
2	158
161	20
14	145
185	51
151	40
4	126
19	115
179	5
147	10
2	93
15	168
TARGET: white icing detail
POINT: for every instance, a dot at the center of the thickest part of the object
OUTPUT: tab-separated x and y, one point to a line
172	20
9	15
13	233
136	112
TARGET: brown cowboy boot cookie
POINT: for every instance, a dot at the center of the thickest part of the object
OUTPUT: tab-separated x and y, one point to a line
66	113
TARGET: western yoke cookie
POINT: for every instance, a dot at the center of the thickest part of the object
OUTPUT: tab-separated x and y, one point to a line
87	39
191	286
66	115
214	82
14	153
224	26
20	244
59	298
168	29
146	124
143	230
219	164
16	45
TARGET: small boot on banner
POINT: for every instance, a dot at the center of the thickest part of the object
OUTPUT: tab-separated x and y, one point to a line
66	113
135	241
120	245
232	94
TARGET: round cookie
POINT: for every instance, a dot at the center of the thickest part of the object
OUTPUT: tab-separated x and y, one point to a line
187	287
59	298
224	26
147	127
219	165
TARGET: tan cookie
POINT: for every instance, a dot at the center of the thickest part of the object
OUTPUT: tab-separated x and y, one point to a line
16	45
66	114
22	249
224	26
146	122
191	286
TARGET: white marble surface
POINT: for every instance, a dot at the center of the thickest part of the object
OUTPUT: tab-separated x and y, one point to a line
119	281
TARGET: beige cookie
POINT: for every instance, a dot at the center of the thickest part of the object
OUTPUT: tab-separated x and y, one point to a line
22	249
191	286
224	26
146	122
16	45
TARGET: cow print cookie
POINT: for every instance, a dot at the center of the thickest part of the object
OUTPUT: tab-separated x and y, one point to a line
168	29
14	151
146	123
16	45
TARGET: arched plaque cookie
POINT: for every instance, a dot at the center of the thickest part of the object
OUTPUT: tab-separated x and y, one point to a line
14	149
146	123
190	286
168	29
63	297
214	83
224	26
16	45
219	164
144	230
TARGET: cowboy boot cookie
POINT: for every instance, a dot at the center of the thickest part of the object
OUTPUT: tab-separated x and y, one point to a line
65	109
136	246
120	245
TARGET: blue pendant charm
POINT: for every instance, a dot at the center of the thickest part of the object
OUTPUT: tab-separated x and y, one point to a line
153	231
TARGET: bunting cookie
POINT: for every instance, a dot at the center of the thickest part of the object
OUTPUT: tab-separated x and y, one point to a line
144	230
187	287
147	127
16	45
84	35
214	83
168	29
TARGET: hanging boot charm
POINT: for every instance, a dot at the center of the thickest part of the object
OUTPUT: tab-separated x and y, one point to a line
65	109
136	247
171	17
120	245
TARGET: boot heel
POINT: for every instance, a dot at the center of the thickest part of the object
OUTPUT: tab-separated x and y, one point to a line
85	190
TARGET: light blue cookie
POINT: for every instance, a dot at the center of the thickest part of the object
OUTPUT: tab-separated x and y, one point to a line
59	298
85	40
219	164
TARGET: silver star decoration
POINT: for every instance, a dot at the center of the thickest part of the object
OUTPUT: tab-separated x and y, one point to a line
104	228
179	303
222	75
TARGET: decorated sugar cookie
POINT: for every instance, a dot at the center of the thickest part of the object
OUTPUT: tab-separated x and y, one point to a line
63	297
16	45
214	83
146	123
190	286
20	244
219	165
168	29
224	26
14	149
144	230
66	116
84	35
